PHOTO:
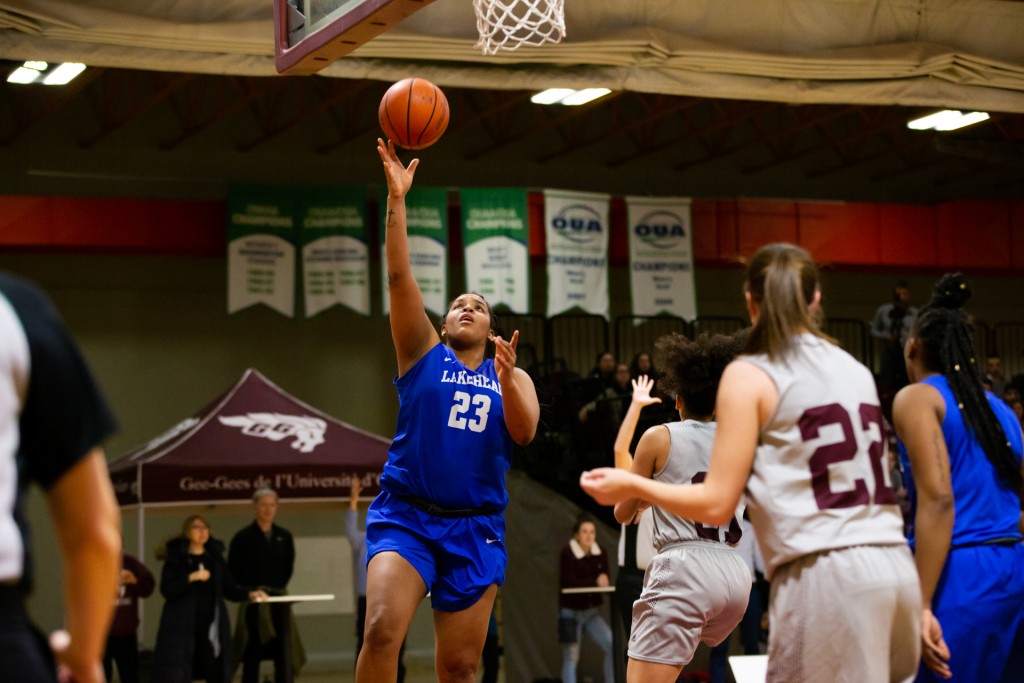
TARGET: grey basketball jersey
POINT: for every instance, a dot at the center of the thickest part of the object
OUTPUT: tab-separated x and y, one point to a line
688	456
818	480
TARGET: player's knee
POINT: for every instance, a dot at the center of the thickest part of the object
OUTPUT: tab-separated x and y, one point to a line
382	634
572	652
457	666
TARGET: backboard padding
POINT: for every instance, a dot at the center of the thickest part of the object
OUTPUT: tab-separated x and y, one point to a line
310	34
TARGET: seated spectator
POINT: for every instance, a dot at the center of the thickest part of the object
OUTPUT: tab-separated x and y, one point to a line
604	368
643	365
620	388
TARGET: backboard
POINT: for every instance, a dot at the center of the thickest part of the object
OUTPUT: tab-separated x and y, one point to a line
310	34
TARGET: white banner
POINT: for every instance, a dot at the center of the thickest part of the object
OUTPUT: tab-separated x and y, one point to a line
496	236
576	227
661	256
261	249
335	249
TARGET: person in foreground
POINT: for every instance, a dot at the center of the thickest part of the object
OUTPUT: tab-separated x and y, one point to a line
696	587
960	448
53	420
800	431
438	525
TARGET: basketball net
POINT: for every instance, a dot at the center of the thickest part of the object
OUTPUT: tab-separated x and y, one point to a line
507	24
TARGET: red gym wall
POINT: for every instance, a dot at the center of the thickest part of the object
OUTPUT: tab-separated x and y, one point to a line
964	234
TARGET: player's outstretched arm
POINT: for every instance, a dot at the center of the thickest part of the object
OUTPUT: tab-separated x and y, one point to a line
651	454
411	330
642	386
518	394
88	528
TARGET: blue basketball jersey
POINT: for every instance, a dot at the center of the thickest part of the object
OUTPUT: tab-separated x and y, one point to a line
451	445
985	508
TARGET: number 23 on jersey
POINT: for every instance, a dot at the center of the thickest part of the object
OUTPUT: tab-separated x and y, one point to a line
469	412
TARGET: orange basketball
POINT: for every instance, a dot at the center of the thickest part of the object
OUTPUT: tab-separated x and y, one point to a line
413	113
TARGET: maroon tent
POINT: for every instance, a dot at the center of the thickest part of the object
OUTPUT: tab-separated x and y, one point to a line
254	435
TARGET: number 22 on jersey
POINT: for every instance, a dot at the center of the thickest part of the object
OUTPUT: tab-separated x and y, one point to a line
469	412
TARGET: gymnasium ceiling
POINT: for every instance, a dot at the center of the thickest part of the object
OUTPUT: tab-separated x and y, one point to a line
745	98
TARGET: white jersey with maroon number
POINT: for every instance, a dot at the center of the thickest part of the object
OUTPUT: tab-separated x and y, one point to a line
688	456
818	480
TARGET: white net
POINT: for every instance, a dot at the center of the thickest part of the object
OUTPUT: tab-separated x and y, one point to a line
507	24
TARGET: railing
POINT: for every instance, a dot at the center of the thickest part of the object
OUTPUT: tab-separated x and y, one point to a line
577	338
852	334
637	333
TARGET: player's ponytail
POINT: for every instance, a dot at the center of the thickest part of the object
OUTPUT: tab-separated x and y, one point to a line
782	279
944	333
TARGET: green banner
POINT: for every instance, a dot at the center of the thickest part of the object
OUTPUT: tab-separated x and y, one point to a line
496	234
261	248
335	249
426	210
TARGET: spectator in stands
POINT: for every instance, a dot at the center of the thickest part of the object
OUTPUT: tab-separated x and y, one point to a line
891	326
994	374
135	582
620	388
583	565
604	368
643	365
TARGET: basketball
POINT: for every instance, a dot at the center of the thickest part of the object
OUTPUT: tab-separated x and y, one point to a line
413	113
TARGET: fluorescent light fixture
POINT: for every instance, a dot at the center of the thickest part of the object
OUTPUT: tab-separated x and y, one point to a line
551	95
585	95
36	71
950	119
569	96
63	73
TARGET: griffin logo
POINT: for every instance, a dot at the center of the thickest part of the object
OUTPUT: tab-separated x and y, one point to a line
308	432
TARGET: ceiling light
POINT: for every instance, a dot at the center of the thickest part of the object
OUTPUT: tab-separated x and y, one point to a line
569	96
551	95
63	73
36	72
949	119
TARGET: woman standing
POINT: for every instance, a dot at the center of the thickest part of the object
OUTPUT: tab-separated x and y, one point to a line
583	565
800	431
697	586
194	638
438	524
961	455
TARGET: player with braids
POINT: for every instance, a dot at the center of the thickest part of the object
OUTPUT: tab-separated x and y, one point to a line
800	432
696	587
961	453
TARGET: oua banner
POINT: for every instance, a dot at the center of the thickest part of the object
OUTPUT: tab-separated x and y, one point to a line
576	228
426	211
335	250
261	248
661	256
495	232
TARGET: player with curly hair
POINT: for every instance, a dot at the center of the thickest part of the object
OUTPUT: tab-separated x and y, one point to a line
696	587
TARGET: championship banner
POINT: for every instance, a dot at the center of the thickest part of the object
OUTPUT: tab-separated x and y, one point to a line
576	228
261	248
426	210
495	232
335	250
661	256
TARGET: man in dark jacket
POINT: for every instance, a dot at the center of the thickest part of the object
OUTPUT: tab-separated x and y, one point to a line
263	554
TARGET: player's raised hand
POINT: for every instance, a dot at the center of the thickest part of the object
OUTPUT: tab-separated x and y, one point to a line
934	650
399	177
505	357
642	386
608	485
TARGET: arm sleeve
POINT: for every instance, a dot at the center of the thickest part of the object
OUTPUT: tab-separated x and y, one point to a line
231	590
174	579
290	569
146	583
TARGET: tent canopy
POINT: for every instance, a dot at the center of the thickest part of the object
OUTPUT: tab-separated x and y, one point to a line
254	435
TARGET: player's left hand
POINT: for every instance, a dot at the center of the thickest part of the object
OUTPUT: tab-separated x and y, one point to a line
607	485
934	650
505	357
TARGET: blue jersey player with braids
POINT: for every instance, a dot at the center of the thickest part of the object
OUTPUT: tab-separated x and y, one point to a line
438	524
961	454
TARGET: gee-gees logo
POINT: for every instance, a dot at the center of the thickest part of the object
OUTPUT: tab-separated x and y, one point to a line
578	223
308	432
660	229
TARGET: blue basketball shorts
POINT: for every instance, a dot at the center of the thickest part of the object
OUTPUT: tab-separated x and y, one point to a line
457	558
